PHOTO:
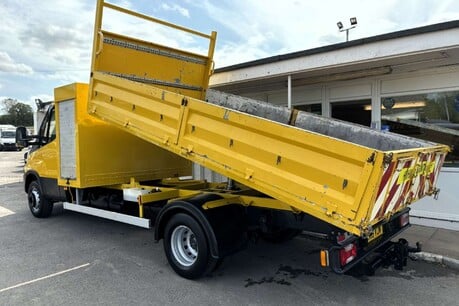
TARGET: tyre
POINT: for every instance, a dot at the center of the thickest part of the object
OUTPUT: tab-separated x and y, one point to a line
187	248
39	205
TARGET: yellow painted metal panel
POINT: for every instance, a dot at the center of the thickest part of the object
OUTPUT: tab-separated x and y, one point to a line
330	179
44	161
255	163
107	155
174	69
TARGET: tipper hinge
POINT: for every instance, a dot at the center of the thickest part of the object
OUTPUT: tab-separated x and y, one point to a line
372	158
388	158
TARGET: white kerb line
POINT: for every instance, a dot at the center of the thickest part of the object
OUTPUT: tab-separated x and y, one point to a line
43	278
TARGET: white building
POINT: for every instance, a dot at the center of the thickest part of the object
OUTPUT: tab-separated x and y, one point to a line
406	81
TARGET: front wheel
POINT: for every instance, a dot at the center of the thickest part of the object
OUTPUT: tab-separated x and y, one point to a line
187	248
39	205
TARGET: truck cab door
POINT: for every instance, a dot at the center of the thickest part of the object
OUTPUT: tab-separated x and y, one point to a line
43	155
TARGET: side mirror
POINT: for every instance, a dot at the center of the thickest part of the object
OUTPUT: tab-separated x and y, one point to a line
21	137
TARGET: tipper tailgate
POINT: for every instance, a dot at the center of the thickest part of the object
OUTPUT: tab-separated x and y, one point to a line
408	177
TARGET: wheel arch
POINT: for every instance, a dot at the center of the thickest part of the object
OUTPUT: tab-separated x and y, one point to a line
29	177
193	208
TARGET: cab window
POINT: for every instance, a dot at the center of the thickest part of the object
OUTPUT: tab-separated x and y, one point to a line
48	127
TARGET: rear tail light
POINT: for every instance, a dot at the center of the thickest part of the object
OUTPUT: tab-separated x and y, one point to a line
348	254
404	219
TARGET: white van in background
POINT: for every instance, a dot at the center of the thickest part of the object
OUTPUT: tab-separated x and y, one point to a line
8	137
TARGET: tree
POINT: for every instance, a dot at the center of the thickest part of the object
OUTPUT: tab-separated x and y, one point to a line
17	113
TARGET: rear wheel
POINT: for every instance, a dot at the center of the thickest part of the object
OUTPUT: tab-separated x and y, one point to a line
187	248
39	205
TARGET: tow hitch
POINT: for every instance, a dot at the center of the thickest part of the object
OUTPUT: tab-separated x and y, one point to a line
391	253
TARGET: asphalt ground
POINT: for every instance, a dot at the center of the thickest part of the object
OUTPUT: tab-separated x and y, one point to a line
75	259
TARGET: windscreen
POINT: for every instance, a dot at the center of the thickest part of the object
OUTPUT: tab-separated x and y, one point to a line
8	134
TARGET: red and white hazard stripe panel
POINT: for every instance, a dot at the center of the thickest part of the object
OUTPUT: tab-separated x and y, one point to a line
406	180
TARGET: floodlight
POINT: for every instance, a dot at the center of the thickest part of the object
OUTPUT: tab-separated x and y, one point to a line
341	28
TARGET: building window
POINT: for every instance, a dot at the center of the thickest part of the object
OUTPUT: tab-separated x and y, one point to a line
433	117
310	108
353	111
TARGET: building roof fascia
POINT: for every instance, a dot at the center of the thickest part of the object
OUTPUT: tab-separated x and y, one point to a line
357	42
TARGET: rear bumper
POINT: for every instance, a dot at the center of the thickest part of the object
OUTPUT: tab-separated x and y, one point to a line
380	252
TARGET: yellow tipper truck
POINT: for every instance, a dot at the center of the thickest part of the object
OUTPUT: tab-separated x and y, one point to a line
122	148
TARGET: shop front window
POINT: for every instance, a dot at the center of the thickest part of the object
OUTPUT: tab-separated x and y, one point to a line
432	116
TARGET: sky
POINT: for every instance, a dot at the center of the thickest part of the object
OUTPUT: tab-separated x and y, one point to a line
46	44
